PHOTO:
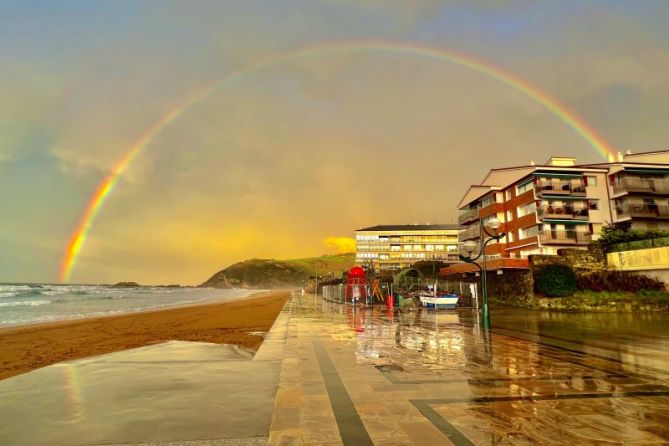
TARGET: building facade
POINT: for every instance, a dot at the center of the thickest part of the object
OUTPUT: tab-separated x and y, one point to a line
639	190
542	208
388	247
565	205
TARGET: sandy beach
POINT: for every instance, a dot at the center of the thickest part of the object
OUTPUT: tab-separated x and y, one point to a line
30	347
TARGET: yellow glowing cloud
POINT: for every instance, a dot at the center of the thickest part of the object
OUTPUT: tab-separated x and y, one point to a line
341	244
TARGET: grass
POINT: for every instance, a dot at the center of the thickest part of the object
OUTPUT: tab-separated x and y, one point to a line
619	295
328	263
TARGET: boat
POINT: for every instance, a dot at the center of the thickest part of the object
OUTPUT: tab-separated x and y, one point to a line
440	301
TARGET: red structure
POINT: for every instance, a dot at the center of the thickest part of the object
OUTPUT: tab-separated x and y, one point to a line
357	288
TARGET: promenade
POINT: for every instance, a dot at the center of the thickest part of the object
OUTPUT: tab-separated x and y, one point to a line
331	374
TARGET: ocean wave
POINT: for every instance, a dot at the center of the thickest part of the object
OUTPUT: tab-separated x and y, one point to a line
25	303
22	293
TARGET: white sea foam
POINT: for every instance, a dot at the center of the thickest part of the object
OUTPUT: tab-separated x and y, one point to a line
26	304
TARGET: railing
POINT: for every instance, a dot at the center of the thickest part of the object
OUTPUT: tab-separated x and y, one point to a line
467	216
568	237
563	212
559	188
470	233
642	211
647	186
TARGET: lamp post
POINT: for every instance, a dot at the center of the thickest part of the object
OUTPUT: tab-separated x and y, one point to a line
470	247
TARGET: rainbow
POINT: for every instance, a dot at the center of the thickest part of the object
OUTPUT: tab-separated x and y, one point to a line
96	203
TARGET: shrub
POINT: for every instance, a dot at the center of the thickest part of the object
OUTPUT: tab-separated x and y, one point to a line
618	281
612	235
557	281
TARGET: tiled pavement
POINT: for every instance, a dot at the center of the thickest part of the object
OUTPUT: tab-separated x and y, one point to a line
359	376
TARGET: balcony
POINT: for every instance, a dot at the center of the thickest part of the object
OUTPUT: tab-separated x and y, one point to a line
467	216
565	188
473	232
568	237
629	210
641	185
563	213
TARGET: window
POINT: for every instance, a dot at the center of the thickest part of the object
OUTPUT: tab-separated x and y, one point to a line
508	194
591	181
527	209
521	188
509	215
593	205
528	232
511	237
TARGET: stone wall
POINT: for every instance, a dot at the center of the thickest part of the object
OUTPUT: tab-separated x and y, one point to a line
598	305
578	259
515	287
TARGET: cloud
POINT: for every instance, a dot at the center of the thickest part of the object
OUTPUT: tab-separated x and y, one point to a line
340	244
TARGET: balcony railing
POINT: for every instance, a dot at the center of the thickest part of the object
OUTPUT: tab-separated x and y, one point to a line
560	188
470	233
642	211
563	212
568	237
645	186
468	216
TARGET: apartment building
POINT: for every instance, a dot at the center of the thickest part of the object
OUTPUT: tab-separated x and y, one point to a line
542	207
639	190
399	246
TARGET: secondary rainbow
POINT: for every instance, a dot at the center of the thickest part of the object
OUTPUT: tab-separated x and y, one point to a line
97	201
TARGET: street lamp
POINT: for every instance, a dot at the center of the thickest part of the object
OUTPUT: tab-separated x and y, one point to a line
470	247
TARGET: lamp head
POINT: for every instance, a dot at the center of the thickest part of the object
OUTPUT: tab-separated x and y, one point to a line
494	224
470	246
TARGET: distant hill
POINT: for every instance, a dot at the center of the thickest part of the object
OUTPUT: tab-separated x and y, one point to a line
270	273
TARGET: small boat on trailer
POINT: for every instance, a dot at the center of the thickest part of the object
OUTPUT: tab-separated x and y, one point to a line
441	301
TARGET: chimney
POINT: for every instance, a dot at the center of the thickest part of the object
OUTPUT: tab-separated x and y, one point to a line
531	162
611	159
620	157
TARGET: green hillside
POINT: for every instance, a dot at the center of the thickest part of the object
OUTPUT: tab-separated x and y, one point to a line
272	274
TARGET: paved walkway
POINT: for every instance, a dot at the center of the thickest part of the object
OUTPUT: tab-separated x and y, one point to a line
359	376
330	374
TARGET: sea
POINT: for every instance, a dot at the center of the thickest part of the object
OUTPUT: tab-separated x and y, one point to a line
35	303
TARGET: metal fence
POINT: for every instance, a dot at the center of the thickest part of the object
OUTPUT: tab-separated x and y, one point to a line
337	293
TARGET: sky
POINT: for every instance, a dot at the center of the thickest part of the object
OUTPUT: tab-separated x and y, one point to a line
290	157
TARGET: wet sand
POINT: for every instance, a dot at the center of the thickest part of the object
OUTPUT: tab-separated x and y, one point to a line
30	347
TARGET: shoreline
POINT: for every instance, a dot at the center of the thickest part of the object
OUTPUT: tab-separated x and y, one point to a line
218	300
31	346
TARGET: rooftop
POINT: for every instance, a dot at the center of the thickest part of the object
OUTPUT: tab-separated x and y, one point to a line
435	227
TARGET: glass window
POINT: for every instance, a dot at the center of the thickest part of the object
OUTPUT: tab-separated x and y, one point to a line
591	181
509	215
527	209
523	188
593	204
508	194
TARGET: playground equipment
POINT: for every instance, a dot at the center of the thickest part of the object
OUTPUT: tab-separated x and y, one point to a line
356	285
407	280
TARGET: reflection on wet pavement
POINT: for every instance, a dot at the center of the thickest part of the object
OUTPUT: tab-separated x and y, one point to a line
436	378
332	374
